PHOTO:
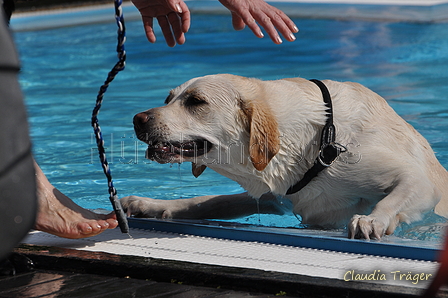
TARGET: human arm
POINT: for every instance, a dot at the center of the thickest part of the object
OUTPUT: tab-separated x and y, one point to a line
251	12
174	19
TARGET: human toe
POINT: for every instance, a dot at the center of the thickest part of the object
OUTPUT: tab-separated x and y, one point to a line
89	228
113	223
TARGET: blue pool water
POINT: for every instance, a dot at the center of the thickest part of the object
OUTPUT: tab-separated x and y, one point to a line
406	63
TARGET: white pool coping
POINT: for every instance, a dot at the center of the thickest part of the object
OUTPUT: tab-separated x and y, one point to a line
252	255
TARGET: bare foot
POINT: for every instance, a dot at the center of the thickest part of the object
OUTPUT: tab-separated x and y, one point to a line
59	215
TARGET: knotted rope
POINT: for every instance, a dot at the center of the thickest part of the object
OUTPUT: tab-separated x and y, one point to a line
119	66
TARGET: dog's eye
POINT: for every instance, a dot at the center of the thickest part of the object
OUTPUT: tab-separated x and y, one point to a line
194	101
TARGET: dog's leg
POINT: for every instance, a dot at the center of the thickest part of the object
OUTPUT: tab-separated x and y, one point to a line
217	207
412	196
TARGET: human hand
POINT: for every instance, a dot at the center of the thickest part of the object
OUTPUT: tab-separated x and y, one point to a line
173	17
249	12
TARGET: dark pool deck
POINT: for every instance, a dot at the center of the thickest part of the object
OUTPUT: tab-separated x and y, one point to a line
74	282
52	283
161	264
43	271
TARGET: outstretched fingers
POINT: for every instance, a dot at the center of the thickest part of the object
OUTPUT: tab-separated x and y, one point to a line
183	12
173	17
256	13
172	29
149	29
273	22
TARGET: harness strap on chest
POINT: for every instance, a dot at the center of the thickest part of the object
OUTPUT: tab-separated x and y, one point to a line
328	151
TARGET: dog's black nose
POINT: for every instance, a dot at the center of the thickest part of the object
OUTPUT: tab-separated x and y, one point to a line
141	118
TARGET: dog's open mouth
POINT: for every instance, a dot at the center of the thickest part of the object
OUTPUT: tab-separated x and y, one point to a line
172	152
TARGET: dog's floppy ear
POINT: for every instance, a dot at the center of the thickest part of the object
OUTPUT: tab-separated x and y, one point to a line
197	170
264	135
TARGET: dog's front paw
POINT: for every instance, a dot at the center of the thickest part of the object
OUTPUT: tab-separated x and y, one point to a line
145	207
366	226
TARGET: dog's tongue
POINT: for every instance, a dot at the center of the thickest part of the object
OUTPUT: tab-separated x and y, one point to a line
161	153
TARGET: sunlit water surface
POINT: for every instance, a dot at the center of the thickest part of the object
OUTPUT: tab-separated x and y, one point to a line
63	68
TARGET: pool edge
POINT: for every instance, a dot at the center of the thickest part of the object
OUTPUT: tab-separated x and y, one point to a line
279	237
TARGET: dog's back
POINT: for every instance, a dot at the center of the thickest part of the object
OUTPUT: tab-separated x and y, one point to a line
406	142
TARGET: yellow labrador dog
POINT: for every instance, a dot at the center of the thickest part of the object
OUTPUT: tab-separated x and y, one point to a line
266	135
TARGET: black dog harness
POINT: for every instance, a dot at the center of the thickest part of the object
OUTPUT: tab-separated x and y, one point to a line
329	149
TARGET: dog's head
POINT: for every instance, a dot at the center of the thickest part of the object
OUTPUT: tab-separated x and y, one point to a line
211	121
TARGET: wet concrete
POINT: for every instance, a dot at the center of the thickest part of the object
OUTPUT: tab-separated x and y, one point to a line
41	283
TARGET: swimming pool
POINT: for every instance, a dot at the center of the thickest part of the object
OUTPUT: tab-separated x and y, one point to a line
63	68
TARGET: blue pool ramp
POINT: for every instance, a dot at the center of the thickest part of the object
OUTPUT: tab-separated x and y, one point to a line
315	239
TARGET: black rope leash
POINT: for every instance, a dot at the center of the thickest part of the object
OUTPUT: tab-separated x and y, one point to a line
119	66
